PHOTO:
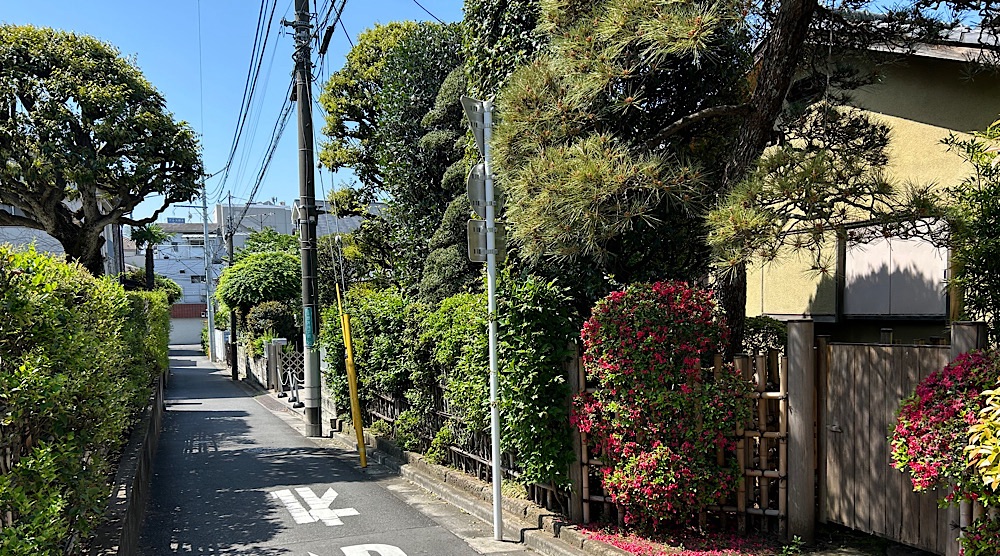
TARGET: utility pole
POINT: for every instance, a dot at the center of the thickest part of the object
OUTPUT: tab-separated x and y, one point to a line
233	350
307	216
208	274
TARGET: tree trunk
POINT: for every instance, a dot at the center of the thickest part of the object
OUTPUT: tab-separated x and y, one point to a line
777	62
150	280
83	246
731	289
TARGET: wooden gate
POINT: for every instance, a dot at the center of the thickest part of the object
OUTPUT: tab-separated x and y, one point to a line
859	488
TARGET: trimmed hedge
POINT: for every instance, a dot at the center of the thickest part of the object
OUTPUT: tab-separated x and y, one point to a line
435	363
77	357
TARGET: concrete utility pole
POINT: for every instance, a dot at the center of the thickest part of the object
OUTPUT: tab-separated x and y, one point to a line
233	350
307	217
208	274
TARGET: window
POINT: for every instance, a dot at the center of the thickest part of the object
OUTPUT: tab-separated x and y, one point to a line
197	278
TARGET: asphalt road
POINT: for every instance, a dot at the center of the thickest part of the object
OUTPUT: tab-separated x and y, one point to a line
232	477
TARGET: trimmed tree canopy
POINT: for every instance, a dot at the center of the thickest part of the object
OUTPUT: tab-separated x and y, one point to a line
85	138
259	277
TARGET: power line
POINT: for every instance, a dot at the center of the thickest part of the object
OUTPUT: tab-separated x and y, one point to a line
276	133
253	74
346	34
428	12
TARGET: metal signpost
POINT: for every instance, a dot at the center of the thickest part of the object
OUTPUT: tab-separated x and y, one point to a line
487	238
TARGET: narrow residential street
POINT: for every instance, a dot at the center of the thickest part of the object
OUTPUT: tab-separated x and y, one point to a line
232	477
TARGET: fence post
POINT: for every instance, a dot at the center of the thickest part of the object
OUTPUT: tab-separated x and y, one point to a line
965	337
576	468
822	395
801	477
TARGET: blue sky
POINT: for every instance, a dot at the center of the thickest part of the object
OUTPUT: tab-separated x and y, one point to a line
163	38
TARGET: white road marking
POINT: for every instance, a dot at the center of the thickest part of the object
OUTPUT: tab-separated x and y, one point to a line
367	549
319	508
299	514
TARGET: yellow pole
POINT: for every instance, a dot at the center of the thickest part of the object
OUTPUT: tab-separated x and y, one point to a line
352	381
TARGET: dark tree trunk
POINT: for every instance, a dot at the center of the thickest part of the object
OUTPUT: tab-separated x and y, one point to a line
82	246
777	62
150	280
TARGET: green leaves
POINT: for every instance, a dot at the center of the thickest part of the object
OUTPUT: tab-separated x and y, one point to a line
81	123
77	358
975	223
388	122
259	277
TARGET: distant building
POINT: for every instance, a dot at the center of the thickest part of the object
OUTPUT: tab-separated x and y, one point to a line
327	223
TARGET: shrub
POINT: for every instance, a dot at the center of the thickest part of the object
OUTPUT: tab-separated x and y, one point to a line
77	355
259	277
764	333
982	538
983	450
274	317
161	283
653	420
932	427
536	326
438	452
331	337
460	349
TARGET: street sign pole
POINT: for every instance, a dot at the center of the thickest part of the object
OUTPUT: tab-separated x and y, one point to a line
483	196
491	286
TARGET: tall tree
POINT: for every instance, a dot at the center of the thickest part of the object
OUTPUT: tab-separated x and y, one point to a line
639	108
592	144
375	106
149	236
85	139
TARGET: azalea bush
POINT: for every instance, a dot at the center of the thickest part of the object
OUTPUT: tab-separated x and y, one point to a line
982	538
933	425
657	416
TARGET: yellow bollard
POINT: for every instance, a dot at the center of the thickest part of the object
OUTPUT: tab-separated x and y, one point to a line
352	381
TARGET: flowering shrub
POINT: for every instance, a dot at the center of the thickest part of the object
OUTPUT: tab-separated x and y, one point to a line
933	425
982	538
652	418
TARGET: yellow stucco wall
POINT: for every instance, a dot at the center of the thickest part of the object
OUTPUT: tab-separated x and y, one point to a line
922	101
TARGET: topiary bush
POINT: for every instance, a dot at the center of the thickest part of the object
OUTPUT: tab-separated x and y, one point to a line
77	356
654	418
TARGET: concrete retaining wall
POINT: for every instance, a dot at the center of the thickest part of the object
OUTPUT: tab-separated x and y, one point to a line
119	534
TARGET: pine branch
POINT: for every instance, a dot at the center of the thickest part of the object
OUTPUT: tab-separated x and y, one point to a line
691	119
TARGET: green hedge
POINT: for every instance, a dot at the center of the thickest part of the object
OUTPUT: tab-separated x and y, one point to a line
408	352
77	358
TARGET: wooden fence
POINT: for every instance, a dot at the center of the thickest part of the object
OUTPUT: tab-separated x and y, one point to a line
860	489
860	387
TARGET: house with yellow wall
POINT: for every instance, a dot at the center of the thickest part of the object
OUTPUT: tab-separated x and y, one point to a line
896	283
